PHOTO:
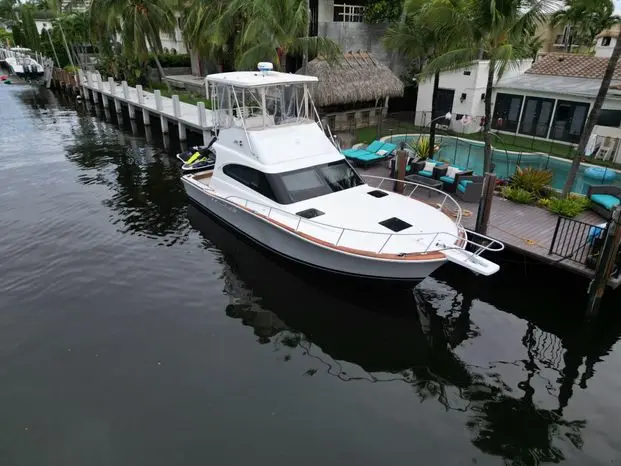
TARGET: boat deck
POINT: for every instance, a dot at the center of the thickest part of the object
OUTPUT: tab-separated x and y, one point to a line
526	229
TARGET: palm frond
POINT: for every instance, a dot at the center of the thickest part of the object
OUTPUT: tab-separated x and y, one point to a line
450	61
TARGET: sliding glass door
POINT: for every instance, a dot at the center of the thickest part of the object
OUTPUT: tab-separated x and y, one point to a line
536	117
507	110
569	120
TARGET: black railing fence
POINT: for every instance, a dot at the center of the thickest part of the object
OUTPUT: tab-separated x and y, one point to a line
577	241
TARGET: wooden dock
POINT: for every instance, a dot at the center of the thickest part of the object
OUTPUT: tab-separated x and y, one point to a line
152	104
525	229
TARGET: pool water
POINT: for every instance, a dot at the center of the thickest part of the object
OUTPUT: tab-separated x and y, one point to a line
469	154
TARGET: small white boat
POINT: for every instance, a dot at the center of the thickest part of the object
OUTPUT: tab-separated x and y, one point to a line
19	62
279	180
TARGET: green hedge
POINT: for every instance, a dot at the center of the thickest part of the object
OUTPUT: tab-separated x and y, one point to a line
171	60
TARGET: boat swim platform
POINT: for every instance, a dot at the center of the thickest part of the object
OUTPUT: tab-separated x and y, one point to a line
525	229
168	109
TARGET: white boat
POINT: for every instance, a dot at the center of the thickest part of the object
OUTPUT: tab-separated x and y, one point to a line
279	180
19	62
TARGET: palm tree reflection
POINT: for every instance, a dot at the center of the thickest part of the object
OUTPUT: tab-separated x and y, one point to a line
147	195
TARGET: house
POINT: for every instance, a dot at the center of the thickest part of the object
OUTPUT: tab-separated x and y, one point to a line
353	92
606	40
461	93
554	38
552	100
344	24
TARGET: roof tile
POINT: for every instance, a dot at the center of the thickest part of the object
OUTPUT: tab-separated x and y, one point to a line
572	65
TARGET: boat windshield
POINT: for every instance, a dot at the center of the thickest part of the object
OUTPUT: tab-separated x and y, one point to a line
306	183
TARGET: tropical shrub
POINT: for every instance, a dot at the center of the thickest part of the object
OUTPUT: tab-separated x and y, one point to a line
569	207
423	149
172	60
519	195
533	180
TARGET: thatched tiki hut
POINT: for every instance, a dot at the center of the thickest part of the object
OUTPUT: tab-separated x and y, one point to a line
353	91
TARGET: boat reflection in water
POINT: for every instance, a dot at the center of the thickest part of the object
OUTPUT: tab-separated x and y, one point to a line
424	337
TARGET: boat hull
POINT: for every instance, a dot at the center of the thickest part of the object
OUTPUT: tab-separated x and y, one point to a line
304	251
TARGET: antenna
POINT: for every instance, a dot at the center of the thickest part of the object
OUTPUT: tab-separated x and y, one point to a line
265	67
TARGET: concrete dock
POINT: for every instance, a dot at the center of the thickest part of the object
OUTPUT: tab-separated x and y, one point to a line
152	105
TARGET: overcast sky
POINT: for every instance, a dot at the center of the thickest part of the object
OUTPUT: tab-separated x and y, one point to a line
617	6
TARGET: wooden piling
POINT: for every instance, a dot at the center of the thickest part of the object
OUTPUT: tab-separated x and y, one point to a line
605	263
401	162
485	204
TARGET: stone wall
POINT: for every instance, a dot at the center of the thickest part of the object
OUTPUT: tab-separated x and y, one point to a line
359	36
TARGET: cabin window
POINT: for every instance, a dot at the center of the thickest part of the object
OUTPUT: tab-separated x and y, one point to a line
299	185
606	41
254	179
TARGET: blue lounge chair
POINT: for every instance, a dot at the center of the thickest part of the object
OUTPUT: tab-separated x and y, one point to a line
374	152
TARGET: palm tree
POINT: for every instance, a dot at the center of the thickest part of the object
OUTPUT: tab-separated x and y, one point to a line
414	37
274	29
139	25
584	19
593	116
497	30
210	31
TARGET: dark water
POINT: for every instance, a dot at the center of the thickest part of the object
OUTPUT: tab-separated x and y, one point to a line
136	331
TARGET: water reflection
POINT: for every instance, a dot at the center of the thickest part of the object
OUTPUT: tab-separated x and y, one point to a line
413	337
147	195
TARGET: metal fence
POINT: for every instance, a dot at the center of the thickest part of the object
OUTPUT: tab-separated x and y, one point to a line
555	141
577	241
460	142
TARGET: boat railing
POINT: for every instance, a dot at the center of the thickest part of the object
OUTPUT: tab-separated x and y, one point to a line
443	202
336	236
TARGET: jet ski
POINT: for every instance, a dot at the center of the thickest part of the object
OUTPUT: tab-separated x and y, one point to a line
198	158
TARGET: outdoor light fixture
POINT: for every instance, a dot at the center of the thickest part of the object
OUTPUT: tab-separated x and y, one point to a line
448	116
483	96
463	97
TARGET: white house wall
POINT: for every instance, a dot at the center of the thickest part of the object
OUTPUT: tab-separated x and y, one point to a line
473	86
604	50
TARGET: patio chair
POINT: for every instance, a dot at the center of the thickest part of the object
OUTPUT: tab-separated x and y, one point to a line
450	176
604	199
470	188
428	168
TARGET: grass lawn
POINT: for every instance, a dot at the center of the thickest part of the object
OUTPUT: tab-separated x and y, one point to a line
184	96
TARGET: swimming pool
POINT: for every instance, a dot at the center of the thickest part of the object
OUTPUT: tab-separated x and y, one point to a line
469	154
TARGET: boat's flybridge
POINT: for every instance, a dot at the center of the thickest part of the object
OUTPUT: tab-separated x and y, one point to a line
269	116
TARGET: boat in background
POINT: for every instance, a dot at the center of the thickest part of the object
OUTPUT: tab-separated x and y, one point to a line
19	62
281	181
